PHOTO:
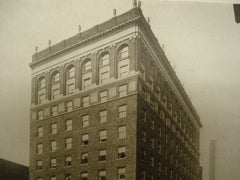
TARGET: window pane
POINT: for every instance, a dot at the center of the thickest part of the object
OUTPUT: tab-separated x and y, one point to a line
88	66
68	143
104	76
42	83
53	146
70	88
102	135
54	110
122	111
55	93
54	128
40	115
39	148
86	82
84	158
121	152
53	162
85	101
71	72
123	90
103	116
121	173
40	132
124	52
85	139
103	96
69	124
85	120
122	132
68	161
105	60
69	106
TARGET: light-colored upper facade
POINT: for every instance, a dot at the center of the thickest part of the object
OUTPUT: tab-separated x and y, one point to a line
75	65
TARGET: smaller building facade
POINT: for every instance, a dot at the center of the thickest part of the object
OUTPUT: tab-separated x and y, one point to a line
12	171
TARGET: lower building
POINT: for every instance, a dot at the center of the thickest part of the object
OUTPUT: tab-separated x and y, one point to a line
12	171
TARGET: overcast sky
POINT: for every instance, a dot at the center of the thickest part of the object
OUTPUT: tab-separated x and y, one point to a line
201	40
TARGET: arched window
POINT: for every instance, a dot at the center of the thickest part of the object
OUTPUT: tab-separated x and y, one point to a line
70	80
55	85
87	66
124	52
42	83
41	90
86	74
70	72
104	69
123	62
56	77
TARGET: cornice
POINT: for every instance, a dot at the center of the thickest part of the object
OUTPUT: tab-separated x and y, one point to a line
83	42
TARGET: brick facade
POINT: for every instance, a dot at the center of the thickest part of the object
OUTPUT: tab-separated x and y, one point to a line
148	114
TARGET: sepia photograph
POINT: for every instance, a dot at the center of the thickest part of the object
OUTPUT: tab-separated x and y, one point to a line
120	89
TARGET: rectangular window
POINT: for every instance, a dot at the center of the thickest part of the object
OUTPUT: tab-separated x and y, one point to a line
122	132
102	135
40	115
85	101
84	176
53	145
85	139
86	83
54	128
103	116
40	132
39	148
41	97
68	161
152	141
53	163
122	111
70	88
54	110
55	93
152	160
123	68
121	152
69	106
104	76
102	175
68	177
53	178
39	165
85	120
123	90
68	124
68	143
121	173
102	155
103	96
84	158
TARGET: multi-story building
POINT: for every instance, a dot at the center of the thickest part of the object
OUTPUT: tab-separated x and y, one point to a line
106	104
